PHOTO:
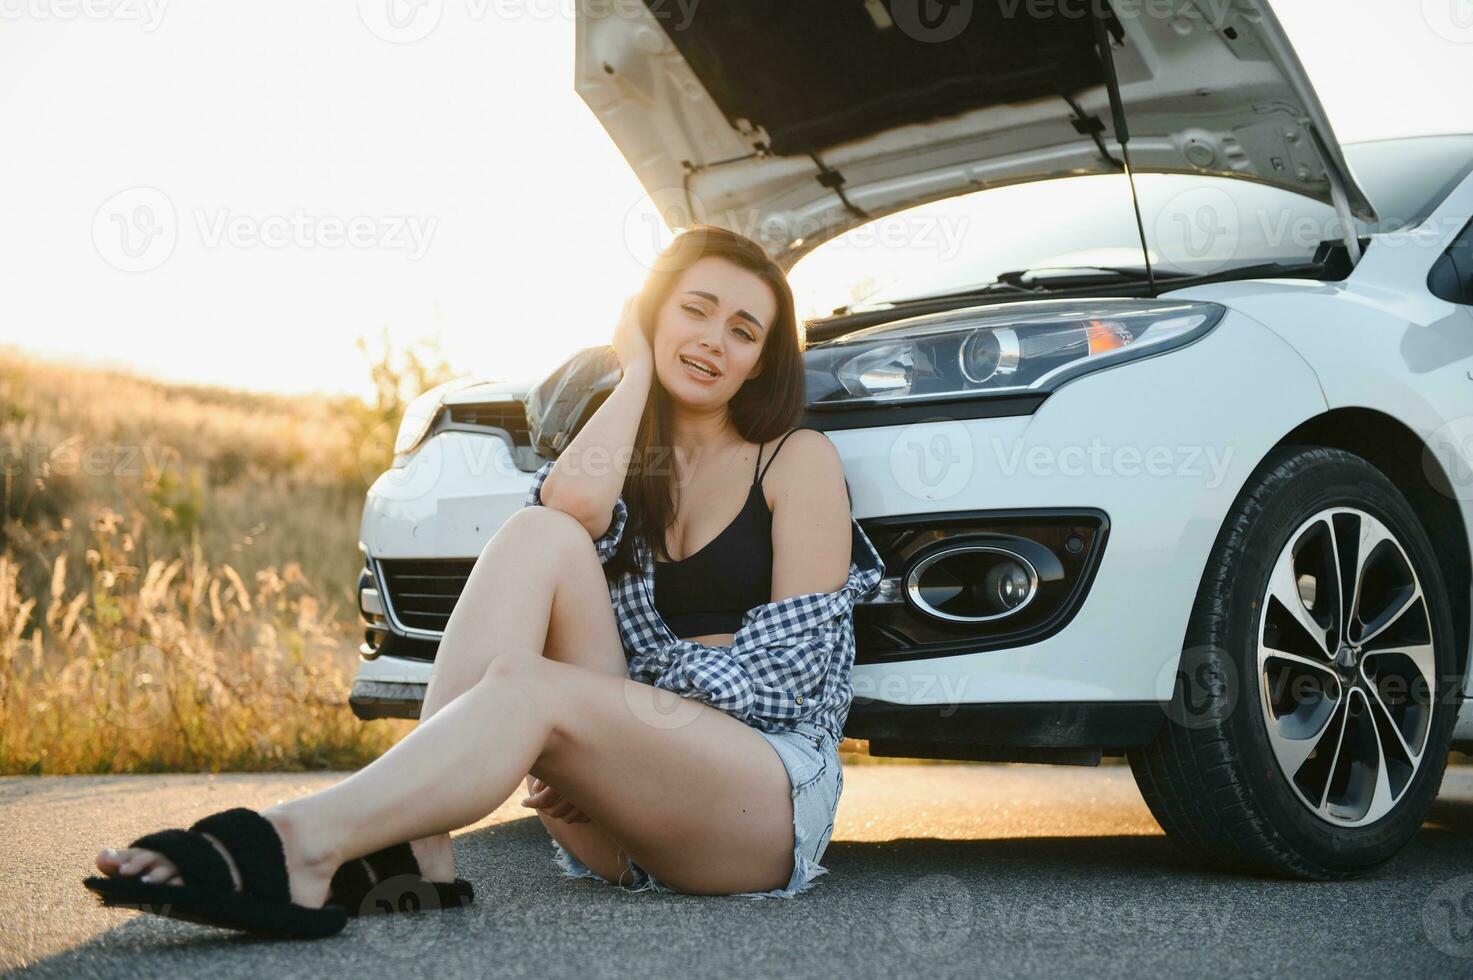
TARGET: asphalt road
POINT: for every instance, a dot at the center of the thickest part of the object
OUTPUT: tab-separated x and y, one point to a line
933	871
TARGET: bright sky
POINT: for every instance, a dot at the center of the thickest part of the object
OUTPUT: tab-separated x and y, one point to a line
324	182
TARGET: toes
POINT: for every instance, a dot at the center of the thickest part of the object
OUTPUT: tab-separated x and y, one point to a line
161	873
107	861
149	866
137	862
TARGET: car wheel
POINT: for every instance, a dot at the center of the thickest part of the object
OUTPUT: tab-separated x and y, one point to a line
1312	708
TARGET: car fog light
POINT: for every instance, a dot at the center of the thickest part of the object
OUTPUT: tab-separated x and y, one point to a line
972	583
1008	582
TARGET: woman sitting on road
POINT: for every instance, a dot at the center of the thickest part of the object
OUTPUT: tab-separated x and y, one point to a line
677	718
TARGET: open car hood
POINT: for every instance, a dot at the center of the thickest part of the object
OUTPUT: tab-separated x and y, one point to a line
791	121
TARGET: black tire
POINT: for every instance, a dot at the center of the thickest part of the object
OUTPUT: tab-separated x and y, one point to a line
1211	777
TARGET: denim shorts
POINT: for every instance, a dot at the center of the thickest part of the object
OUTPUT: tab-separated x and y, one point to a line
811	756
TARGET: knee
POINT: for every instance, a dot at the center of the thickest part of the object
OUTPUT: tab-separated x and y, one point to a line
550	529
550	690
520	668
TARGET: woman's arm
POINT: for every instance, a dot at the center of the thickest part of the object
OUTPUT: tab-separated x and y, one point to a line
589	475
811	534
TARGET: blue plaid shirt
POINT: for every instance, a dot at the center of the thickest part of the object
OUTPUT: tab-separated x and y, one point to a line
789	661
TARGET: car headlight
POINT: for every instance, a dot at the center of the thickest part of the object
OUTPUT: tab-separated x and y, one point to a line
1020	347
420	414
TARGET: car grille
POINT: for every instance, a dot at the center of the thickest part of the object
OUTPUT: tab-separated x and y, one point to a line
508	415
422	592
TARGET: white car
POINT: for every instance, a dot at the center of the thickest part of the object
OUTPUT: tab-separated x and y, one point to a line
1214	516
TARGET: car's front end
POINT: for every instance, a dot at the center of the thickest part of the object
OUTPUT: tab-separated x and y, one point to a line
1063	433
1043	504
463	462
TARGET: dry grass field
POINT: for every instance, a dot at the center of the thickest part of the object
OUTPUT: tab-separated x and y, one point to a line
177	569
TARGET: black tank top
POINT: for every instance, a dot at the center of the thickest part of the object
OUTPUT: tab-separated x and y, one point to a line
709	591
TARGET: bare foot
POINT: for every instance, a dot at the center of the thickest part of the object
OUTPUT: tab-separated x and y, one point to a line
309	875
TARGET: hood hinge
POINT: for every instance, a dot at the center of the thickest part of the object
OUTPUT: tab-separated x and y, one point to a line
834	180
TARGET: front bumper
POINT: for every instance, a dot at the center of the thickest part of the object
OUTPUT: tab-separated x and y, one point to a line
389	687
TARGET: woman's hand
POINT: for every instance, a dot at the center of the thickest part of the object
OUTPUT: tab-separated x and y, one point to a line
543	797
630	343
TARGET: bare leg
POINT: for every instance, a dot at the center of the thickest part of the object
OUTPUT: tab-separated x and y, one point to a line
704	804
536	587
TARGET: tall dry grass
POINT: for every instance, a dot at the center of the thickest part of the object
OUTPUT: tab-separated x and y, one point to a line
178	567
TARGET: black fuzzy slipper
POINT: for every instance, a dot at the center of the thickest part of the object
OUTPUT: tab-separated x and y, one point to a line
262	906
390	880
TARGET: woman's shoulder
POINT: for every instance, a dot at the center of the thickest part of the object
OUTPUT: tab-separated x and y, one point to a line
800	459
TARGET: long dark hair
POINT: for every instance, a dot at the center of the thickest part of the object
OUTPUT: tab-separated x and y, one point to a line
762	409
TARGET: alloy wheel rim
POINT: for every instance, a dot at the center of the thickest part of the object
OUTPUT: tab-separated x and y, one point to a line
1346	668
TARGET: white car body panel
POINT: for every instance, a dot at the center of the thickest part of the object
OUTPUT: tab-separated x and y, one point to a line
1245	388
460	487
1209	86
